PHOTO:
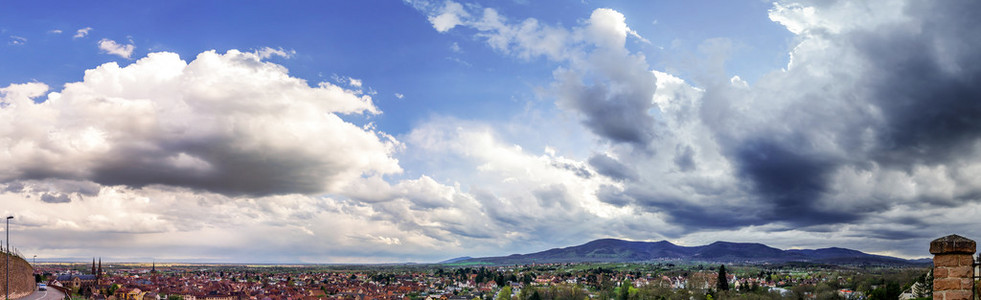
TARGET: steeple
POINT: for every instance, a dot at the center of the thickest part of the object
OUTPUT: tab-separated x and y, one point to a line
154	268
93	266
98	276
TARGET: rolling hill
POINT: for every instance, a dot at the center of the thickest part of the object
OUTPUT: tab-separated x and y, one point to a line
614	250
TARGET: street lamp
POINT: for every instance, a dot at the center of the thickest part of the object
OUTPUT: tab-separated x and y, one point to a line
7	286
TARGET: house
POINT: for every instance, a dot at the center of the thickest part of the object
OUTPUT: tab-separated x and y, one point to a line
129	294
915	291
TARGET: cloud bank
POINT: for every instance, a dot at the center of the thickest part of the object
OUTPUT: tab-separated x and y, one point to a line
867	127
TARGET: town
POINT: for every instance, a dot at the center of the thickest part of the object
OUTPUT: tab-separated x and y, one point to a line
665	280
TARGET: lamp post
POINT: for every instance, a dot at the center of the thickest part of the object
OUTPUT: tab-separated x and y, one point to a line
6	288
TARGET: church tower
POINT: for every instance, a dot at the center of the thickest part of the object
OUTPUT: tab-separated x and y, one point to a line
98	276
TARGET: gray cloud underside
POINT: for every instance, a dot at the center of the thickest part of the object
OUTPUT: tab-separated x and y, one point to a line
888	100
919	94
871	125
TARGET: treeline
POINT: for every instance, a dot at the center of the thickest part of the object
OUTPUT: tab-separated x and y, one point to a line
874	284
484	275
626	291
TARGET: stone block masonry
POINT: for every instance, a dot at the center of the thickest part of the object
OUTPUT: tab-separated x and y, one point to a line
21	277
953	268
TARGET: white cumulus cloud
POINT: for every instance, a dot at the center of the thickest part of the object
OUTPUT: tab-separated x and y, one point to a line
227	123
111	47
451	15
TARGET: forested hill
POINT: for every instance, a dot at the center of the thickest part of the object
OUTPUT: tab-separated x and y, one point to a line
614	250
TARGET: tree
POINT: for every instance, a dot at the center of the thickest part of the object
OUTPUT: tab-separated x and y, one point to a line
504	294
535	296
624	293
926	291
723	282
525	293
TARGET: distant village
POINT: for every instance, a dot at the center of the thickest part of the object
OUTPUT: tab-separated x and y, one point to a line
558	281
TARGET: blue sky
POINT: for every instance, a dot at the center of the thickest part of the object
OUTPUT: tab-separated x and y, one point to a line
423	130
386	44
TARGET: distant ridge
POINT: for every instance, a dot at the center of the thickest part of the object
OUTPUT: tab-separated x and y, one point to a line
455	260
614	250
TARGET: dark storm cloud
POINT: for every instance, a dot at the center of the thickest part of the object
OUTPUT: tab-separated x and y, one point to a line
695	217
789	181
909	98
928	84
691	215
231	171
612	168
894	234
621	118
614	96
56	198
875	98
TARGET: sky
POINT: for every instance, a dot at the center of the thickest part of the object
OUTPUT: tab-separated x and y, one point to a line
422	130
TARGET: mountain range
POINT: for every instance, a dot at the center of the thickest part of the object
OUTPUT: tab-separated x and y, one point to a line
614	250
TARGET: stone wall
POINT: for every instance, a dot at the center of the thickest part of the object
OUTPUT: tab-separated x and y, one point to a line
953	268
21	277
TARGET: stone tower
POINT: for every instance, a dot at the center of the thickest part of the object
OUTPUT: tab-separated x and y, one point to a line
953	268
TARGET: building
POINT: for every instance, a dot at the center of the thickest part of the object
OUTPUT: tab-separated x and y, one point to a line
81	283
